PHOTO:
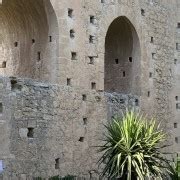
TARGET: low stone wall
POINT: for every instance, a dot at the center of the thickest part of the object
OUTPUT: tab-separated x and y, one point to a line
50	129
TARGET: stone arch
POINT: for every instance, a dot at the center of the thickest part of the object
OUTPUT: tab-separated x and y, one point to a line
29	39
122	58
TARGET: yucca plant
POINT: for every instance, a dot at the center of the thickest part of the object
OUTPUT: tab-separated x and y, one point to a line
131	149
175	169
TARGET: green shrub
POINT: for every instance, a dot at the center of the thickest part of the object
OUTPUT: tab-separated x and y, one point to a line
38	178
68	177
131	148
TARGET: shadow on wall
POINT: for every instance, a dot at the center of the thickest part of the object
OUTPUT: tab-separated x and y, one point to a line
122	58
28	38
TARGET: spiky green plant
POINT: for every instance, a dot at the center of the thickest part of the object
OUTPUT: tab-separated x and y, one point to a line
131	149
175	169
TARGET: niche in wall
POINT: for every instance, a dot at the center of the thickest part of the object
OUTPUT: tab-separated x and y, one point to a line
25	27
122	58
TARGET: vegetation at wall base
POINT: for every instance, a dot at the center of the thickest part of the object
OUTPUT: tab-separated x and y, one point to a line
68	177
175	169
132	148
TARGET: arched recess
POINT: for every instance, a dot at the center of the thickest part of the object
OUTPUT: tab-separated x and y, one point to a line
29	39
122	58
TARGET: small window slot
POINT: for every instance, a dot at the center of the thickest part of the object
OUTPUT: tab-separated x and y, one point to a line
30	133
70	13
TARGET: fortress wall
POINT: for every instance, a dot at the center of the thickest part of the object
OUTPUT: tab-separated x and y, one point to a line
54	129
175	93
54	112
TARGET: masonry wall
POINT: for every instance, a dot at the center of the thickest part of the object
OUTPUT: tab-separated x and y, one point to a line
48	123
66	125
175	93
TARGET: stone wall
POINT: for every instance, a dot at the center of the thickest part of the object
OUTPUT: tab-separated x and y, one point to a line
64	111
54	129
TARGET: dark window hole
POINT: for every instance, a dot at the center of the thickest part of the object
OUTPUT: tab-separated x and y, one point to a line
72	34
84	97
73	56
50	38
150	74
175	61
68	82
153	55
15	85
91	60
178	106
81	139
16	44
91	39
30	133
178	25
152	40
57	163
136	102
92	19
175	125
93	85
117	61
177	98
142	12
3	65
39	56
70	13
122	101
85	121
130	59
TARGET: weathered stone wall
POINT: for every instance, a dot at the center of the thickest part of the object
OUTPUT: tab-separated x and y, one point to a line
65	123
175	93
65	127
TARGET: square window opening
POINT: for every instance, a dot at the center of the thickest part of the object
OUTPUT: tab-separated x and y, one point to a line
30	133
85	121
117	61
70	13
91	60
84	97
73	56
57	163
175	125
93	85
81	139
130	59
68	81
3	65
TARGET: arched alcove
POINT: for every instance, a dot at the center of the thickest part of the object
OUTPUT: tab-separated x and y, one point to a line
28	38
122	58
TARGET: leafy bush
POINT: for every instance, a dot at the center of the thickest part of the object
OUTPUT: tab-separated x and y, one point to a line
131	149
